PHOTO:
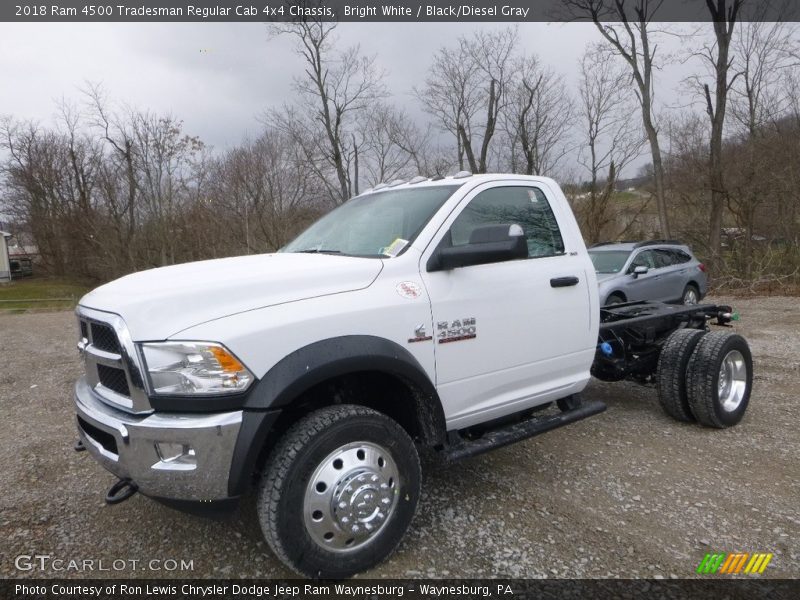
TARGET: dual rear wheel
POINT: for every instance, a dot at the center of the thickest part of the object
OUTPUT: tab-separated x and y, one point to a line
705	377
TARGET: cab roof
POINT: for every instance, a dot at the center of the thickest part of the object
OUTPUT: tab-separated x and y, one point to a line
458	179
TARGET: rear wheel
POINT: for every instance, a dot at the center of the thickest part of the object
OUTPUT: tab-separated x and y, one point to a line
719	379
691	295
339	491
671	378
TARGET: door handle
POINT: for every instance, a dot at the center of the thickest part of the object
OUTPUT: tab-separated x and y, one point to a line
558	282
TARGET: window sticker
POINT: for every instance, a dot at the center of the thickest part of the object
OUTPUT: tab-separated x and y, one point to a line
395	248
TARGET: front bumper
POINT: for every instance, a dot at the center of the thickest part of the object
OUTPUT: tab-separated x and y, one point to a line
126	445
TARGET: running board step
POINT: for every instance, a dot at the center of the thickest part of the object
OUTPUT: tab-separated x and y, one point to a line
517	432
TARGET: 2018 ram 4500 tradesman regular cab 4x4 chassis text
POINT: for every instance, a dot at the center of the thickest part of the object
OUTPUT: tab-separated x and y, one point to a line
448	314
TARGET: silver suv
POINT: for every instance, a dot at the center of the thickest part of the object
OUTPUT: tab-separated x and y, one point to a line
663	270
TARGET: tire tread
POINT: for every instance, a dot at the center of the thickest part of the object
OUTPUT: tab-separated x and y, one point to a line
702	375
671	374
296	438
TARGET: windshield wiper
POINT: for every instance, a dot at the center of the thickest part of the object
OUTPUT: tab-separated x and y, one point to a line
318	251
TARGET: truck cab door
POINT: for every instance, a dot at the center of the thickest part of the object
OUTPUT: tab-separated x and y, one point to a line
515	334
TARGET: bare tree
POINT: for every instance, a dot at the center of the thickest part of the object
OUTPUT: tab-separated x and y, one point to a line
392	145
264	189
335	88
765	55
611	140
466	91
120	178
760	97
724	15
632	39
538	119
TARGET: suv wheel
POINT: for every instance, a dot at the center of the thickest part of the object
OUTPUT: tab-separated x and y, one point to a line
339	491
691	295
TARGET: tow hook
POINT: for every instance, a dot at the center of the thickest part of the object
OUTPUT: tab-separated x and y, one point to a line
79	447
121	491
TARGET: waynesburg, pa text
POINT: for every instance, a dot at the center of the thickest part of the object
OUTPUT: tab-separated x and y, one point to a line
276	590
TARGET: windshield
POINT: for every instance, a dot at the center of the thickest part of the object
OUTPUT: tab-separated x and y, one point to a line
380	224
609	261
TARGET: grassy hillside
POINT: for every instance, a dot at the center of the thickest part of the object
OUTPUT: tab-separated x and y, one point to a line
40	293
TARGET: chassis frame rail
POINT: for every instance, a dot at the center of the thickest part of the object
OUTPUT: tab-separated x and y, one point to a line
632	334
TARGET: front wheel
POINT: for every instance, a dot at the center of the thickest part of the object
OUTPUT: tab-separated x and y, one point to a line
339	491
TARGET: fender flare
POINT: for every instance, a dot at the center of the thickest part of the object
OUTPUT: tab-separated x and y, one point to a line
306	367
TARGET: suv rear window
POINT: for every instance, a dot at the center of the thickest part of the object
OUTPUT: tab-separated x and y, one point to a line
681	257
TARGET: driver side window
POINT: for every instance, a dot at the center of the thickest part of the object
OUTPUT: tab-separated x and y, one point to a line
524	206
644	259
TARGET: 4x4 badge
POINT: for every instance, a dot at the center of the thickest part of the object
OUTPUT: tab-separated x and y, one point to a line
420	335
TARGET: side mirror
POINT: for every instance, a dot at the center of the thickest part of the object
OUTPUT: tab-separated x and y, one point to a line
641	270
488	244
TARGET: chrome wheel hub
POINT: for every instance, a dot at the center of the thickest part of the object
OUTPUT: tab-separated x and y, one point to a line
732	381
690	297
351	495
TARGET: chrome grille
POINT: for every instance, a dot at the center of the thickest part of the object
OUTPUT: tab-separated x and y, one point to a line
113	379
103	337
112	365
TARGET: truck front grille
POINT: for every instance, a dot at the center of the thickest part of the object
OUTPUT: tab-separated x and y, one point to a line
114	379
112	364
104	338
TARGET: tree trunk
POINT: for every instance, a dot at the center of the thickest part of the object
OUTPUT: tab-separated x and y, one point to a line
724	21
658	170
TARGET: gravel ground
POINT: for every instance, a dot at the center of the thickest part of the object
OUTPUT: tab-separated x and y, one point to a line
629	493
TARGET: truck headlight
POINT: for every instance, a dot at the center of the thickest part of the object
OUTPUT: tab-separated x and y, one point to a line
194	368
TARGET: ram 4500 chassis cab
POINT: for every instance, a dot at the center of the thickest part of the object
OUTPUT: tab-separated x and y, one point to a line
455	315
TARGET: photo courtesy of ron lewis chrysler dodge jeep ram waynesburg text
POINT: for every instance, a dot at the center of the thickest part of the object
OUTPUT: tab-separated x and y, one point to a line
455	314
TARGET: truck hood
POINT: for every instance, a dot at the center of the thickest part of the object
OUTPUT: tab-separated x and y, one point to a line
159	303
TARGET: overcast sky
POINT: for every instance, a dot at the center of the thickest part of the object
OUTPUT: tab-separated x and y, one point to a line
219	77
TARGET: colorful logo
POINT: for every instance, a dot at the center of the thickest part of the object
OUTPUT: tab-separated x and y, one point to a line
734	563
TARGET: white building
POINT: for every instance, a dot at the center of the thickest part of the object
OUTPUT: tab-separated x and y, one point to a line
5	266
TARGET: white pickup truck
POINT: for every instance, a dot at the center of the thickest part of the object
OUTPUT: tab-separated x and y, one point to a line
457	314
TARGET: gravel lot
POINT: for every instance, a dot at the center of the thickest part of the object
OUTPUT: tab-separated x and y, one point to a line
629	493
